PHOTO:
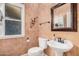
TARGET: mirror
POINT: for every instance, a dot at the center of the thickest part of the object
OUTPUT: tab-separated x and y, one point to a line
64	17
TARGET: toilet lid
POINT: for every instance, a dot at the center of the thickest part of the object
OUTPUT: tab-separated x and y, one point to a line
34	49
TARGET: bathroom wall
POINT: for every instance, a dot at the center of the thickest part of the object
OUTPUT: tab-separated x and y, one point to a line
19	45
45	30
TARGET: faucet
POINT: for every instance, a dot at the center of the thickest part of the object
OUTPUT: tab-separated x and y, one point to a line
60	40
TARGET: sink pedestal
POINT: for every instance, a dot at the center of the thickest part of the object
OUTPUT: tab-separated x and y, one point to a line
60	48
58	53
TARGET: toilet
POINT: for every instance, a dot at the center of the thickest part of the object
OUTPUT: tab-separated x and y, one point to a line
38	51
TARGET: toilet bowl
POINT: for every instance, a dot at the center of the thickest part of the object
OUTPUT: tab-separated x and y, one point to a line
38	51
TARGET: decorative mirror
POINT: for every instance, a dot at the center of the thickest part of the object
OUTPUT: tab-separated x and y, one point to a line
64	17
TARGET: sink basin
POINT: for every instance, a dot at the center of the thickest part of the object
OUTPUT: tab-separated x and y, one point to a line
59	47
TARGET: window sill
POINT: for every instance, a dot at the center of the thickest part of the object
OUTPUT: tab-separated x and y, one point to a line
11	36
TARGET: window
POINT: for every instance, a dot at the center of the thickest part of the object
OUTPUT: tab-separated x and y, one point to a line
12	23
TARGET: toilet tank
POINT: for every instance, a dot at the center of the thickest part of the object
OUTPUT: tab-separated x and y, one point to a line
42	42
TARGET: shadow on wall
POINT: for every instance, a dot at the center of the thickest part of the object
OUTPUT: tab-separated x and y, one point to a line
73	52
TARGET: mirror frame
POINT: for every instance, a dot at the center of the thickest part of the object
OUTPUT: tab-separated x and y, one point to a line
73	7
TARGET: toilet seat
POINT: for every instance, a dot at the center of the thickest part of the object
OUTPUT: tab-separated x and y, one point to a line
35	51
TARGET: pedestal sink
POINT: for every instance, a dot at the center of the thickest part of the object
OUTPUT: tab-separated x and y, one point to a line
59	47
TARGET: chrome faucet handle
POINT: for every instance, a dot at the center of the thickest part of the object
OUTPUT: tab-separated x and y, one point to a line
60	40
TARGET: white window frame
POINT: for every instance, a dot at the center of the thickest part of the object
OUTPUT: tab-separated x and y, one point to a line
3	36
